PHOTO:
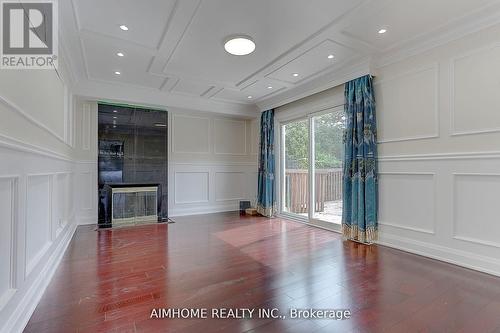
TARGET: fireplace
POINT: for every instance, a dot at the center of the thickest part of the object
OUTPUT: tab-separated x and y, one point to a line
129	204
132	165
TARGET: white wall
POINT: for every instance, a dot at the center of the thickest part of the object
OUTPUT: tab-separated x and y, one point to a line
85	157
213	162
439	133
438	119
37	173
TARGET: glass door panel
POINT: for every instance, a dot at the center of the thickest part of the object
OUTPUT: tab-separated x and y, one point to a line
296	167
328	156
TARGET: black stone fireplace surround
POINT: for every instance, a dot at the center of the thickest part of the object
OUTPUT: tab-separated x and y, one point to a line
133	152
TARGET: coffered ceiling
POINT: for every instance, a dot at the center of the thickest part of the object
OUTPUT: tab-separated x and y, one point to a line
174	55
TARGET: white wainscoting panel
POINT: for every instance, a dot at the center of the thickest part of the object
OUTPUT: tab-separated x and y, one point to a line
190	134
444	206
62	205
8	192
86	126
230	186
31	241
86	198
407	106
200	188
404	192
254	136
38	218
476	207
475	85
191	187
86	188
230	136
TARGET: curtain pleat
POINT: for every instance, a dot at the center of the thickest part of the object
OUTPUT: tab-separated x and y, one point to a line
266	201
359	216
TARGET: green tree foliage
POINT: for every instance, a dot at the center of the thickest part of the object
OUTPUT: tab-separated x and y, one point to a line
328	129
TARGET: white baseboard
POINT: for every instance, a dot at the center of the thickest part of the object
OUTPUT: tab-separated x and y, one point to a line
453	256
203	210
86	220
27	305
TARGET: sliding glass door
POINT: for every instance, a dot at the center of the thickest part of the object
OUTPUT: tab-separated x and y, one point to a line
328	130
295	136
313	191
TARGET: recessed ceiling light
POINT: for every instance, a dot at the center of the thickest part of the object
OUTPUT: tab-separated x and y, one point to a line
250	97
115	117
382	31
239	45
120	54
295	74
124	27
114	111
118	73
114	126
269	87
160	125
331	56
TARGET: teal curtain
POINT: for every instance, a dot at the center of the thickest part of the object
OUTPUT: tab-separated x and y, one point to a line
359	216
266	201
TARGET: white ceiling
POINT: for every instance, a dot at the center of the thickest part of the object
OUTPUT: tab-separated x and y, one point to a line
174	48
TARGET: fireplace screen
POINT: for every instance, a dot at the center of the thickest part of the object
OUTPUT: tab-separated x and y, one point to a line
132	205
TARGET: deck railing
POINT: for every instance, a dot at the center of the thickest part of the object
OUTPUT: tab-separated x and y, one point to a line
328	187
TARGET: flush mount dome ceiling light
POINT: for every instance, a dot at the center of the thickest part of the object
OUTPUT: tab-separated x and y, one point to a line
239	45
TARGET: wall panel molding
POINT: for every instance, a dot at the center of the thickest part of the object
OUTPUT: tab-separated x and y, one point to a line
10	217
189	132
16	109
183	180
434	132
453	64
441	156
481	197
17	145
228	193
443	253
242	149
222	194
423	196
86	125
38	215
33	292
86	190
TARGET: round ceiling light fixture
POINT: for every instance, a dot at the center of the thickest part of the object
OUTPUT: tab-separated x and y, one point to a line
239	45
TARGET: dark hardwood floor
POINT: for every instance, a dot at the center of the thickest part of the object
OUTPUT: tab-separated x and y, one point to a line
110	280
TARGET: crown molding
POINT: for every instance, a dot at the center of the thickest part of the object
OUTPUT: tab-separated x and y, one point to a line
321	83
481	19
99	90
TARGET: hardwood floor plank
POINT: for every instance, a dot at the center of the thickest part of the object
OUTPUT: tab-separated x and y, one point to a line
110	280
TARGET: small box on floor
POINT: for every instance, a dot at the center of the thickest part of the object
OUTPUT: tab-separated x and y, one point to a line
251	211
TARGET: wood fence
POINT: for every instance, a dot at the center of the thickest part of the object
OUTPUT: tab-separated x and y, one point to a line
328	187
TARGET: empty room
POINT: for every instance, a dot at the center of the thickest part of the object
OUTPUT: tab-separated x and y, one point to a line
250	166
